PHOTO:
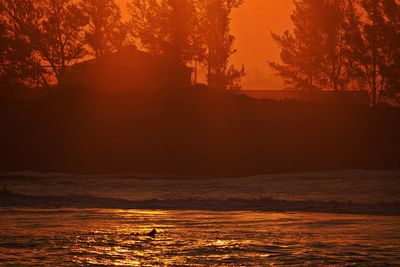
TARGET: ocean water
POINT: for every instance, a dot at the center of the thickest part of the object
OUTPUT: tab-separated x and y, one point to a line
102	237
116	237
362	186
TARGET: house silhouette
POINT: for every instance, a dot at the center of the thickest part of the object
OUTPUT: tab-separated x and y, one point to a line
127	69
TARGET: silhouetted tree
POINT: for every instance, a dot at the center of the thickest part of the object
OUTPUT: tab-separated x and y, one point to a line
373	57
219	43
105	32
19	65
353	40
301	51
381	47
392	70
320	52
341	43
168	27
61	34
52	28
190	30
341	33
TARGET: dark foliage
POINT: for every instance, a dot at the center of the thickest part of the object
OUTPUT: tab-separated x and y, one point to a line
341	45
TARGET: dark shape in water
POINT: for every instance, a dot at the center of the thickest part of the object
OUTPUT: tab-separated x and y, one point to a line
152	233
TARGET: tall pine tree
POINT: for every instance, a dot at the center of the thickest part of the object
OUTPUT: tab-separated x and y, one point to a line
319	53
61	34
20	63
167	27
105	32
218	41
52	28
380	52
392	70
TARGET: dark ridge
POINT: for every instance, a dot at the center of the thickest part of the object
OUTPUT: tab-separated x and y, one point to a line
9	199
193	132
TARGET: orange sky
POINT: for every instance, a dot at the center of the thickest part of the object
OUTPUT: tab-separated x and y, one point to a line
251	25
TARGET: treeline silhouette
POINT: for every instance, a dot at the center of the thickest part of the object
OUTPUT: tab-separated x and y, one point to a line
335	44
197	130
343	45
40	39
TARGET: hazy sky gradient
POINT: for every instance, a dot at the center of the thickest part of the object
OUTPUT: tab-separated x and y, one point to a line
252	24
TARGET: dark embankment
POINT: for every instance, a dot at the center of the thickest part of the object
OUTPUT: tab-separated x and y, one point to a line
193	132
8	199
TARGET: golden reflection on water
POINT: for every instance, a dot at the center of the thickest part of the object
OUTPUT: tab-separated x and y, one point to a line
195	238
138	212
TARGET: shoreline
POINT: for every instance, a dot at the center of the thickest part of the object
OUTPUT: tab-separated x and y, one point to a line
10	199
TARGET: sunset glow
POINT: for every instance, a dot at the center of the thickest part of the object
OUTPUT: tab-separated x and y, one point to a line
199	133
252	25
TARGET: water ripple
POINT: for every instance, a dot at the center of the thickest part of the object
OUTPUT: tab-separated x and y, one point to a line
196	238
